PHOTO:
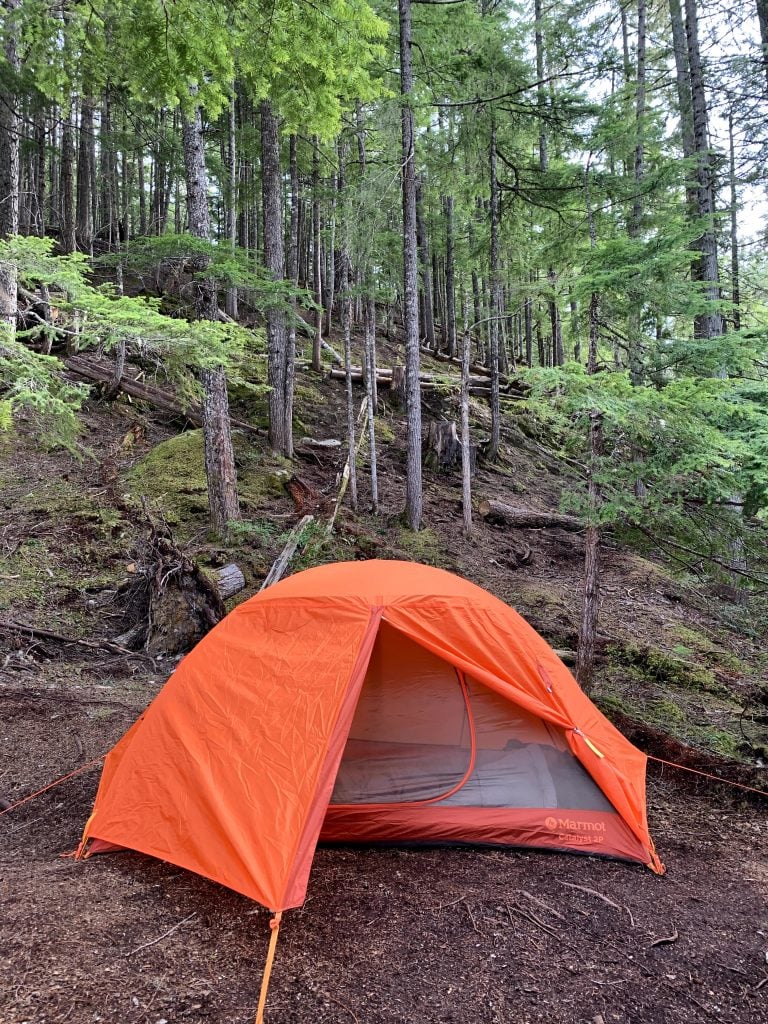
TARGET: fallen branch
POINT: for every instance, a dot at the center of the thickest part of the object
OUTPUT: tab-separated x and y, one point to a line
666	940
11	625
159	938
530	917
282	562
601	896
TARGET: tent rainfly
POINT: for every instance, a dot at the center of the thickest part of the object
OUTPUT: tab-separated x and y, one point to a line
376	702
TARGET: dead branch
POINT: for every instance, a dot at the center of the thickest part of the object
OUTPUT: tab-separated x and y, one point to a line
283	560
665	940
11	625
159	938
601	896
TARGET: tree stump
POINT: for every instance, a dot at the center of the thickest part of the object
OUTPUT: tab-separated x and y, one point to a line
398	384
442	447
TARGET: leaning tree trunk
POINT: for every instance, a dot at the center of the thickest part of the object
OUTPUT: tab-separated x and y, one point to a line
413	490
9	185
280	425
219	454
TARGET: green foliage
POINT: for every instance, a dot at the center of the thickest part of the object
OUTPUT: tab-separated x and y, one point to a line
98	316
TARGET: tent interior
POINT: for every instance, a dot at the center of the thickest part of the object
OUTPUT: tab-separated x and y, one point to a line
424	733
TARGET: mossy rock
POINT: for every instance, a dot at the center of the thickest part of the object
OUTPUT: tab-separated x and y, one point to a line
173	476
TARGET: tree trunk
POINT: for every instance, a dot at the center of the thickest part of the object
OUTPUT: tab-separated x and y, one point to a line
292	273
450	292
541	99
232	197
762	17
10	126
317	263
493	447
426	283
370	394
590	606
413	498
710	323
735	278
66	198
85	184
346	321
280	426
219	455
466	466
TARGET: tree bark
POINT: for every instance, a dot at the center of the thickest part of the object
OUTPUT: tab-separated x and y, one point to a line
413	499
493	361
466	466
219	455
426	281
9	183
371	395
66	198
85	184
450	292
232	196
524	518
710	323
280	426
735	276
762	17
317	262
346	321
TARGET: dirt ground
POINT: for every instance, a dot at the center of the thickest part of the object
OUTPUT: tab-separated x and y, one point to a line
386	935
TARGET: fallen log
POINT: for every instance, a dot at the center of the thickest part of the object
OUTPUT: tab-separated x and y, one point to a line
282	562
525	518
229	581
477	369
395	380
156	397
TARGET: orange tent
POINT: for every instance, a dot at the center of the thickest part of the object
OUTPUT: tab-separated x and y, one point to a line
373	701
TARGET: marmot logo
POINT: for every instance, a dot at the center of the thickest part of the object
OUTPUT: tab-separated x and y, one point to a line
551	824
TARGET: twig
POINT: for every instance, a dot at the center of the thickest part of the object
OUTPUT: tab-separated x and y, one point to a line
665	939
601	896
530	917
541	903
165	935
471	915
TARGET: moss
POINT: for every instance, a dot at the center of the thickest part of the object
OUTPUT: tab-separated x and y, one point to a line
173	476
651	663
538	596
384	432
419	545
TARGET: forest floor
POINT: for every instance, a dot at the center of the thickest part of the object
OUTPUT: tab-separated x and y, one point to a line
417	935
